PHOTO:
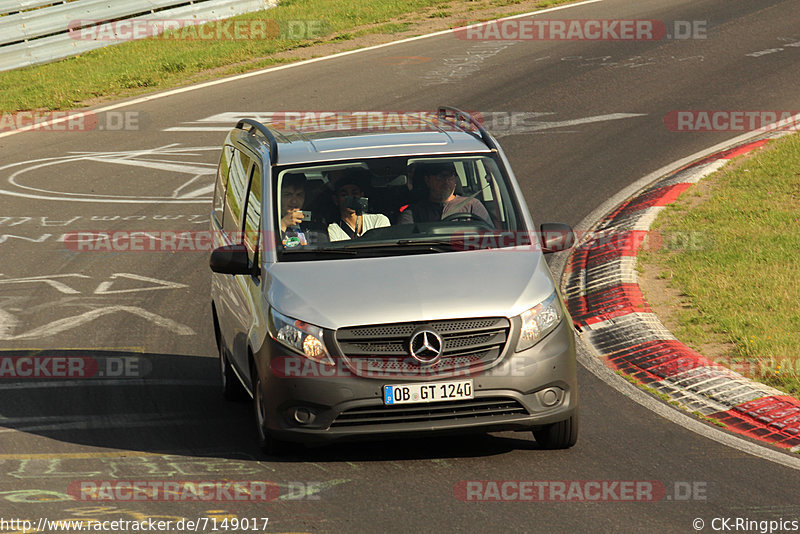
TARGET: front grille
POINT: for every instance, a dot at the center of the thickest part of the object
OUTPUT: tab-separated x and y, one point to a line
437	412
383	350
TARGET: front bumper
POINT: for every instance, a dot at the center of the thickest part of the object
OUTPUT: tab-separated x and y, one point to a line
309	403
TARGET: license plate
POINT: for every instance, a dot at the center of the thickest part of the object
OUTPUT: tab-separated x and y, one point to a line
435	392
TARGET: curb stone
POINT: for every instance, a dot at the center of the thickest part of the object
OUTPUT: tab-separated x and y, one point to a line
610	313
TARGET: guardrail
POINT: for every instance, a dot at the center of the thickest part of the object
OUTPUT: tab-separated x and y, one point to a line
40	31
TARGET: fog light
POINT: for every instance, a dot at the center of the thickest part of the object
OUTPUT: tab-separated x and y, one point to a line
303	416
550	396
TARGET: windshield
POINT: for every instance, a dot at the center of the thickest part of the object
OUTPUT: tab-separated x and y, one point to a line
398	205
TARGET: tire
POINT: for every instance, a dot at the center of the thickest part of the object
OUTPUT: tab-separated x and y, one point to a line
561	435
268	445
232	388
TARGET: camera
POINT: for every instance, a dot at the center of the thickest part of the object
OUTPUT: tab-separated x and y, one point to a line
357	204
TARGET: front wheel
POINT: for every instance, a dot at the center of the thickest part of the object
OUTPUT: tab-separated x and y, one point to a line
266	443
561	435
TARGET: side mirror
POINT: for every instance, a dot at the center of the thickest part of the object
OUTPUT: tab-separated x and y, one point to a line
556	237
230	259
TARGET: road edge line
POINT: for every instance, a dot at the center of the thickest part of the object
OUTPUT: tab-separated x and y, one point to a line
170	92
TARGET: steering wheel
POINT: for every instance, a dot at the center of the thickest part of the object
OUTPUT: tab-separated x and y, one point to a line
463	216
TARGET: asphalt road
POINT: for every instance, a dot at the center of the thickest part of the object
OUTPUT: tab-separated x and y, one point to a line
162	417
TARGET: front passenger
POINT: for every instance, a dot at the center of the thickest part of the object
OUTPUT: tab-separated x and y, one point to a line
349	198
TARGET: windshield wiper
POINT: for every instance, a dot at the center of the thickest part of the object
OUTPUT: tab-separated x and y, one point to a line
324	250
438	246
409	245
469	241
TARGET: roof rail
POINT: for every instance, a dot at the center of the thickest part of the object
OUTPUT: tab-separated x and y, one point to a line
455	116
265	131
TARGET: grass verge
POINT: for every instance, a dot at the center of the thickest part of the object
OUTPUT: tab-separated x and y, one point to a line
154	64
739	291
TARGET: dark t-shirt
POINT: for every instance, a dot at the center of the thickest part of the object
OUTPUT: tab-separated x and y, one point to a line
427	211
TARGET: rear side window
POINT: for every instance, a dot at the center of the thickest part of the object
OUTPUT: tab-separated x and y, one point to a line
252	218
234	196
222	183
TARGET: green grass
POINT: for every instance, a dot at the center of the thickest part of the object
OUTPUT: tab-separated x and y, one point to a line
153	64
141	66
743	284
707	419
652	391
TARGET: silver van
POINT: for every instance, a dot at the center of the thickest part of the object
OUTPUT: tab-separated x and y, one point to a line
381	282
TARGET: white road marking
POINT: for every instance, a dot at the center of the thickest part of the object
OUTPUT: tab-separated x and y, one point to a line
185	168
40	239
9	322
790	42
169	159
498	123
63	288
103	288
458	68
44	221
521	127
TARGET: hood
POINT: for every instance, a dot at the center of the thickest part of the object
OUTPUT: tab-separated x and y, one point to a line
351	292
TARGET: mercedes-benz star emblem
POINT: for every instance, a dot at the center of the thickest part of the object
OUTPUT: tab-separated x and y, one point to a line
426	347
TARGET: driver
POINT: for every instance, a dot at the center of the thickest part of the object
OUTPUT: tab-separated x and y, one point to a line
441	179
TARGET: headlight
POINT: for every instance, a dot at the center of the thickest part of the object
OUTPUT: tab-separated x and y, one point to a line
303	337
539	321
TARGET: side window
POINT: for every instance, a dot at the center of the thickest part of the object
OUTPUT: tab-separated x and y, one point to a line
234	195
463	178
252	217
484	179
491	201
222	183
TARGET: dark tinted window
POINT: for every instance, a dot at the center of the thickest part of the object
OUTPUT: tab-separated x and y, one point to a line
234	196
252	217
222	183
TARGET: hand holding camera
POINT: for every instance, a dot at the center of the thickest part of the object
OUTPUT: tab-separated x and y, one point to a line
357	204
